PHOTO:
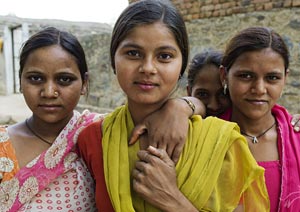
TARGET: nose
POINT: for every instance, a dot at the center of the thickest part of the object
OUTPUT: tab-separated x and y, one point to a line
49	90
213	104
258	87
148	66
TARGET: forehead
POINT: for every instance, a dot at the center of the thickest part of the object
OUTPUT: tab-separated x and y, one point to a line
208	76
209	72
51	59
263	57
50	55
154	33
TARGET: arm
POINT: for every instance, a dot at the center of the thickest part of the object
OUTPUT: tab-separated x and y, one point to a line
154	179
167	128
296	123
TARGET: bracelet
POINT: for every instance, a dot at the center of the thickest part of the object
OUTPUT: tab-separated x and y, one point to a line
190	104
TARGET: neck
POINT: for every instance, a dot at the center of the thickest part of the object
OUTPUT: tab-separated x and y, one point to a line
252	126
140	111
45	129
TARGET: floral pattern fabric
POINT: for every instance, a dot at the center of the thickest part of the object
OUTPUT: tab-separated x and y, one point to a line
57	180
8	161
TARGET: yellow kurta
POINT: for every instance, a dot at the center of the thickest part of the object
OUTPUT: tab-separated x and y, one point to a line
215	171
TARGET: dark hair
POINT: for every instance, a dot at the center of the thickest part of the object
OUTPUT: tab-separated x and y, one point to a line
209	57
52	36
148	12
252	39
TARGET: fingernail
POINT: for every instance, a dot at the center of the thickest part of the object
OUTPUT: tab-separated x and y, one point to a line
151	147
297	129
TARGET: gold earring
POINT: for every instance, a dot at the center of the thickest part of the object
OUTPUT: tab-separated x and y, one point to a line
141	69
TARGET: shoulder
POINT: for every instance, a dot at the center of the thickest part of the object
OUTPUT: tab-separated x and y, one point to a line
281	114
4	137
219	123
90	135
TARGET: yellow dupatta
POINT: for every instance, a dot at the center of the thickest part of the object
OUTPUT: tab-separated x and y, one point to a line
214	170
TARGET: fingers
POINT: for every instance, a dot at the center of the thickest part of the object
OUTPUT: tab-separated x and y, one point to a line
296	123
162	154
137	132
177	152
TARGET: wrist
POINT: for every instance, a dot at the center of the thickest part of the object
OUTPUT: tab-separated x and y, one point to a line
182	204
190	105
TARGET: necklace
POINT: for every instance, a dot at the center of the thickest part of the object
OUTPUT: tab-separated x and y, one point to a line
255	138
37	135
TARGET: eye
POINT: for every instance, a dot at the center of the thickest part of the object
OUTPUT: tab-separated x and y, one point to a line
201	95
245	75
273	78
133	53
65	80
35	78
165	56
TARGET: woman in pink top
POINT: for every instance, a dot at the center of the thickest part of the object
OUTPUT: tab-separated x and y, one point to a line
254	71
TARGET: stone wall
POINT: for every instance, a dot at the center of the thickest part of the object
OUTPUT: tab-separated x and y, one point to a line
195	9
215	32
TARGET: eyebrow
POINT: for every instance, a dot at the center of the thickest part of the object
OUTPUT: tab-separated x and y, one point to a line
133	45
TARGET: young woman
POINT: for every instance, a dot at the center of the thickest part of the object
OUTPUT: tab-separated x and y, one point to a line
255	69
149	52
39	166
204	82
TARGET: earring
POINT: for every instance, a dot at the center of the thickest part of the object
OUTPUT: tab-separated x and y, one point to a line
225	89
55	93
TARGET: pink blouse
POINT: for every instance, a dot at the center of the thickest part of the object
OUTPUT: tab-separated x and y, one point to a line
273	181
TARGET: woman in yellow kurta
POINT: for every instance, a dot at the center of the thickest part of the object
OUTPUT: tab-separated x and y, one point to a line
216	171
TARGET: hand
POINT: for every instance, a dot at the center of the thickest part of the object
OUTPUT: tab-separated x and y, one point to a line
154	179
296	123
167	128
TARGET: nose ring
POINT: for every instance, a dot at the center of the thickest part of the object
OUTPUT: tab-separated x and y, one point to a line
140	69
55	93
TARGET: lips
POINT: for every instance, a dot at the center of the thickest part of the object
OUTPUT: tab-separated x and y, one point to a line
146	85
49	107
257	101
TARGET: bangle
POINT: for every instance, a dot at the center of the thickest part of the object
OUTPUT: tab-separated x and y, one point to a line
190	104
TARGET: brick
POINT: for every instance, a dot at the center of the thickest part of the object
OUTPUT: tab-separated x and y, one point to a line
296	3
260	1
229	11
218	7
287	3
195	16
268	6
193	10
189	5
207	8
259	7
216	13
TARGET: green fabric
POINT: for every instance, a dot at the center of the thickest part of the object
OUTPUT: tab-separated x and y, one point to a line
214	171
